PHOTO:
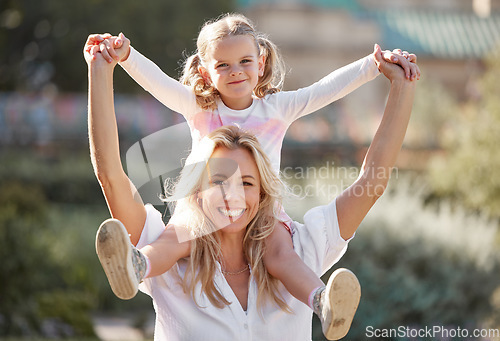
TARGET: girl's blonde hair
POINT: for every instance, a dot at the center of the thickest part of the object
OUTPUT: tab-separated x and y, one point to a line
215	30
205	245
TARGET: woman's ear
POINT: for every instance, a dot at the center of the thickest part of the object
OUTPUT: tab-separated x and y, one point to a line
199	199
262	196
205	74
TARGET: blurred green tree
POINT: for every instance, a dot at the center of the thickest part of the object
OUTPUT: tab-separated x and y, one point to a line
22	218
469	170
42	40
433	108
422	265
50	278
34	299
40	293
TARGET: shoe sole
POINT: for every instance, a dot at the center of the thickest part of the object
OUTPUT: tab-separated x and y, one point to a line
343	292
115	254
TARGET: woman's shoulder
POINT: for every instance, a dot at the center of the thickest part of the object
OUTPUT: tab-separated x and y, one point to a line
317	240
153	226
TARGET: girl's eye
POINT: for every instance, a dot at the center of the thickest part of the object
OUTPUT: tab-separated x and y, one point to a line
246	61
221	65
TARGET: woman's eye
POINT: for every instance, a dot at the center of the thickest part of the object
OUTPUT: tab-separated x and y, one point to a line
218	182
246	183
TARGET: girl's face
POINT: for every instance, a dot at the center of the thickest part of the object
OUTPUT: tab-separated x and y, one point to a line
231	190
234	67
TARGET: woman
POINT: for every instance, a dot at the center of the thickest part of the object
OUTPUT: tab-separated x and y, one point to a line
222	292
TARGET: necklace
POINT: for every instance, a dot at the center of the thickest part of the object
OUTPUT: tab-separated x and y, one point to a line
246	268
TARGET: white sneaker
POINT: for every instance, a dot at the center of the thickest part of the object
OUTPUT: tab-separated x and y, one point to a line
339	302
123	264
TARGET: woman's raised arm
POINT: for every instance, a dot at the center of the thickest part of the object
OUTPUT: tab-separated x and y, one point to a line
121	196
355	202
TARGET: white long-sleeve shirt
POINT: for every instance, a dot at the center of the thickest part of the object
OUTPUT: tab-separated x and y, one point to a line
268	118
178	318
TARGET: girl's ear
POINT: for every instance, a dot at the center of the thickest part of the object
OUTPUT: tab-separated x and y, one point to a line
204	73
262	65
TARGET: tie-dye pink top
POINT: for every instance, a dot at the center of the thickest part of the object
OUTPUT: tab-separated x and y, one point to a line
268	118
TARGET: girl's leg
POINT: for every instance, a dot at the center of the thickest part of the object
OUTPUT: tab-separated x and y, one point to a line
126	266
282	262
164	252
335	304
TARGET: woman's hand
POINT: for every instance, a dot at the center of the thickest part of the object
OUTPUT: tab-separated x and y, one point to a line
407	61
112	48
91	48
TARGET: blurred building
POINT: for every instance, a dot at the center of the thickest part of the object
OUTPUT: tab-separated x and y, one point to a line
450	37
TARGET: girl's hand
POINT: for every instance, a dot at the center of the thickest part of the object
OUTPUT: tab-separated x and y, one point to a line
116	48
393	71
407	61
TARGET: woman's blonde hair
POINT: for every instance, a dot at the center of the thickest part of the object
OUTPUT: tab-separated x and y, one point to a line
205	245
215	30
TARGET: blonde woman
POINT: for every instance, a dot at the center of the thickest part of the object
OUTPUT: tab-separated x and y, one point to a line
216	286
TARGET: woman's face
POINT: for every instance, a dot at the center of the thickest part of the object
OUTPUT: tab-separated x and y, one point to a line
231	189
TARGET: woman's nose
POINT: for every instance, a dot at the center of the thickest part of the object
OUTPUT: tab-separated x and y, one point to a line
233	192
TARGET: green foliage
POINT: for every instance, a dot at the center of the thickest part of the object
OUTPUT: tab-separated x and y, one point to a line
469	171
67	178
51	279
433	109
22	219
419	265
33	289
70	307
43	40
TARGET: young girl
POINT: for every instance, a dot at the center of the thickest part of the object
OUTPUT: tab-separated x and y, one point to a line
234	78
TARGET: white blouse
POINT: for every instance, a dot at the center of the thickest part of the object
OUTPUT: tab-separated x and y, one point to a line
317	242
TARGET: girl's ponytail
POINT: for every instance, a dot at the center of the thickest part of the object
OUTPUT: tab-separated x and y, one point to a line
206	94
274	68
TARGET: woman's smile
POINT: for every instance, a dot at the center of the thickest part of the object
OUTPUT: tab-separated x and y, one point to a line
232	213
231	194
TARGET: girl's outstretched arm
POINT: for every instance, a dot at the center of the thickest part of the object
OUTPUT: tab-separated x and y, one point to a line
343	81
355	202
121	196
147	74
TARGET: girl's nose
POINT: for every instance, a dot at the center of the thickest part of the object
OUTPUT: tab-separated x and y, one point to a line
235	70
